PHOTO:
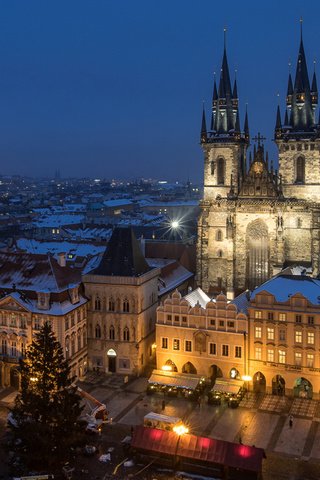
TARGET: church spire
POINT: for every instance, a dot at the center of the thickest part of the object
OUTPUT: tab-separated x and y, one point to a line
278	120
203	134
301	99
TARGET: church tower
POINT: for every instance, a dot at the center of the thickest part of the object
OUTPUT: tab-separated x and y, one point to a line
298	138
224	146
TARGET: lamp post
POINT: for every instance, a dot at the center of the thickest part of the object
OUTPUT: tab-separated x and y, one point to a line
247	379
180	430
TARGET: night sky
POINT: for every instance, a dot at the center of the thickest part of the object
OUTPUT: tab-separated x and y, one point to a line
114	89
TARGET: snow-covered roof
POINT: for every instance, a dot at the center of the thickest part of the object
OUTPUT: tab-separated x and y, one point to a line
35	272
54	221
118	202
242	302
71	249
197	296
55	308
283	287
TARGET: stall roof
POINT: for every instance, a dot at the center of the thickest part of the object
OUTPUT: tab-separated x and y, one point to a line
227	385
173	379
200	449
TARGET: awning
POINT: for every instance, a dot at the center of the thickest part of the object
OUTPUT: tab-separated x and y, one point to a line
200	449
227	386
173	379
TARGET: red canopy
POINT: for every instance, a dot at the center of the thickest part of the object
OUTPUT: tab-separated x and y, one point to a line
200	449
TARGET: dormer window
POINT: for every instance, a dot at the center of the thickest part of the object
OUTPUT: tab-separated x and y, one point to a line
74	295
43	300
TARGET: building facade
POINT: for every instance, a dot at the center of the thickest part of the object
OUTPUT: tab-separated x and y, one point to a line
254	218
201	336
36	289
284	333
123	293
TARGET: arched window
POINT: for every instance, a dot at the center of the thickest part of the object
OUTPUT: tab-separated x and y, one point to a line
219	236
126	335
111	305
300	170
126	306
111	333
98	331
97	304
220	253
221	171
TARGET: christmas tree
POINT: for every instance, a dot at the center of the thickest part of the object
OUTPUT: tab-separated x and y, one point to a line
48	406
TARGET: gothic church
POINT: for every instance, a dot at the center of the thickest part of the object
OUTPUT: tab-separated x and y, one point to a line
255	220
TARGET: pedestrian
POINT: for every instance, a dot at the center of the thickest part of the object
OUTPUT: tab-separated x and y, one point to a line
290	421
163	404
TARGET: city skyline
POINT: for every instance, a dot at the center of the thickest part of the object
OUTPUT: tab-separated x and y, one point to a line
116	91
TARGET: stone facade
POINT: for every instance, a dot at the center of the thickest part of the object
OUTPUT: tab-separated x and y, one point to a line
121	321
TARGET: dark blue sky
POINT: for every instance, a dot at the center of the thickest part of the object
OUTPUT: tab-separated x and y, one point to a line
115	88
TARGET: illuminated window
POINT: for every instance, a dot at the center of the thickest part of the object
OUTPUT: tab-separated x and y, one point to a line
282	317
270	355
282	356
176	344
310	360
298	337
258	332
298	359
310	338
257	314
258	352
270	333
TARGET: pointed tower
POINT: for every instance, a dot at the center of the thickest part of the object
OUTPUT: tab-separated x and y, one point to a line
225	144
298	140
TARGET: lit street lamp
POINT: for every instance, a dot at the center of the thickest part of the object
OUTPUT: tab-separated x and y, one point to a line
247	379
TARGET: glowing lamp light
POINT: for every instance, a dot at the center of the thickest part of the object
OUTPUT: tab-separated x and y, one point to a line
246	378
154	346
33	379
180	429
175	224
166	368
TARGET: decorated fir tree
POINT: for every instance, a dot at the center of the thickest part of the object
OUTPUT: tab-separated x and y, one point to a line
47	408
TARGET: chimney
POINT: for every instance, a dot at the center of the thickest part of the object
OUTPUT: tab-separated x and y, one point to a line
62	259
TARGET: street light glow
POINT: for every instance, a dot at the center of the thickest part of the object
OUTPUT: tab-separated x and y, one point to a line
166	368
175	224
246	378
180	429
